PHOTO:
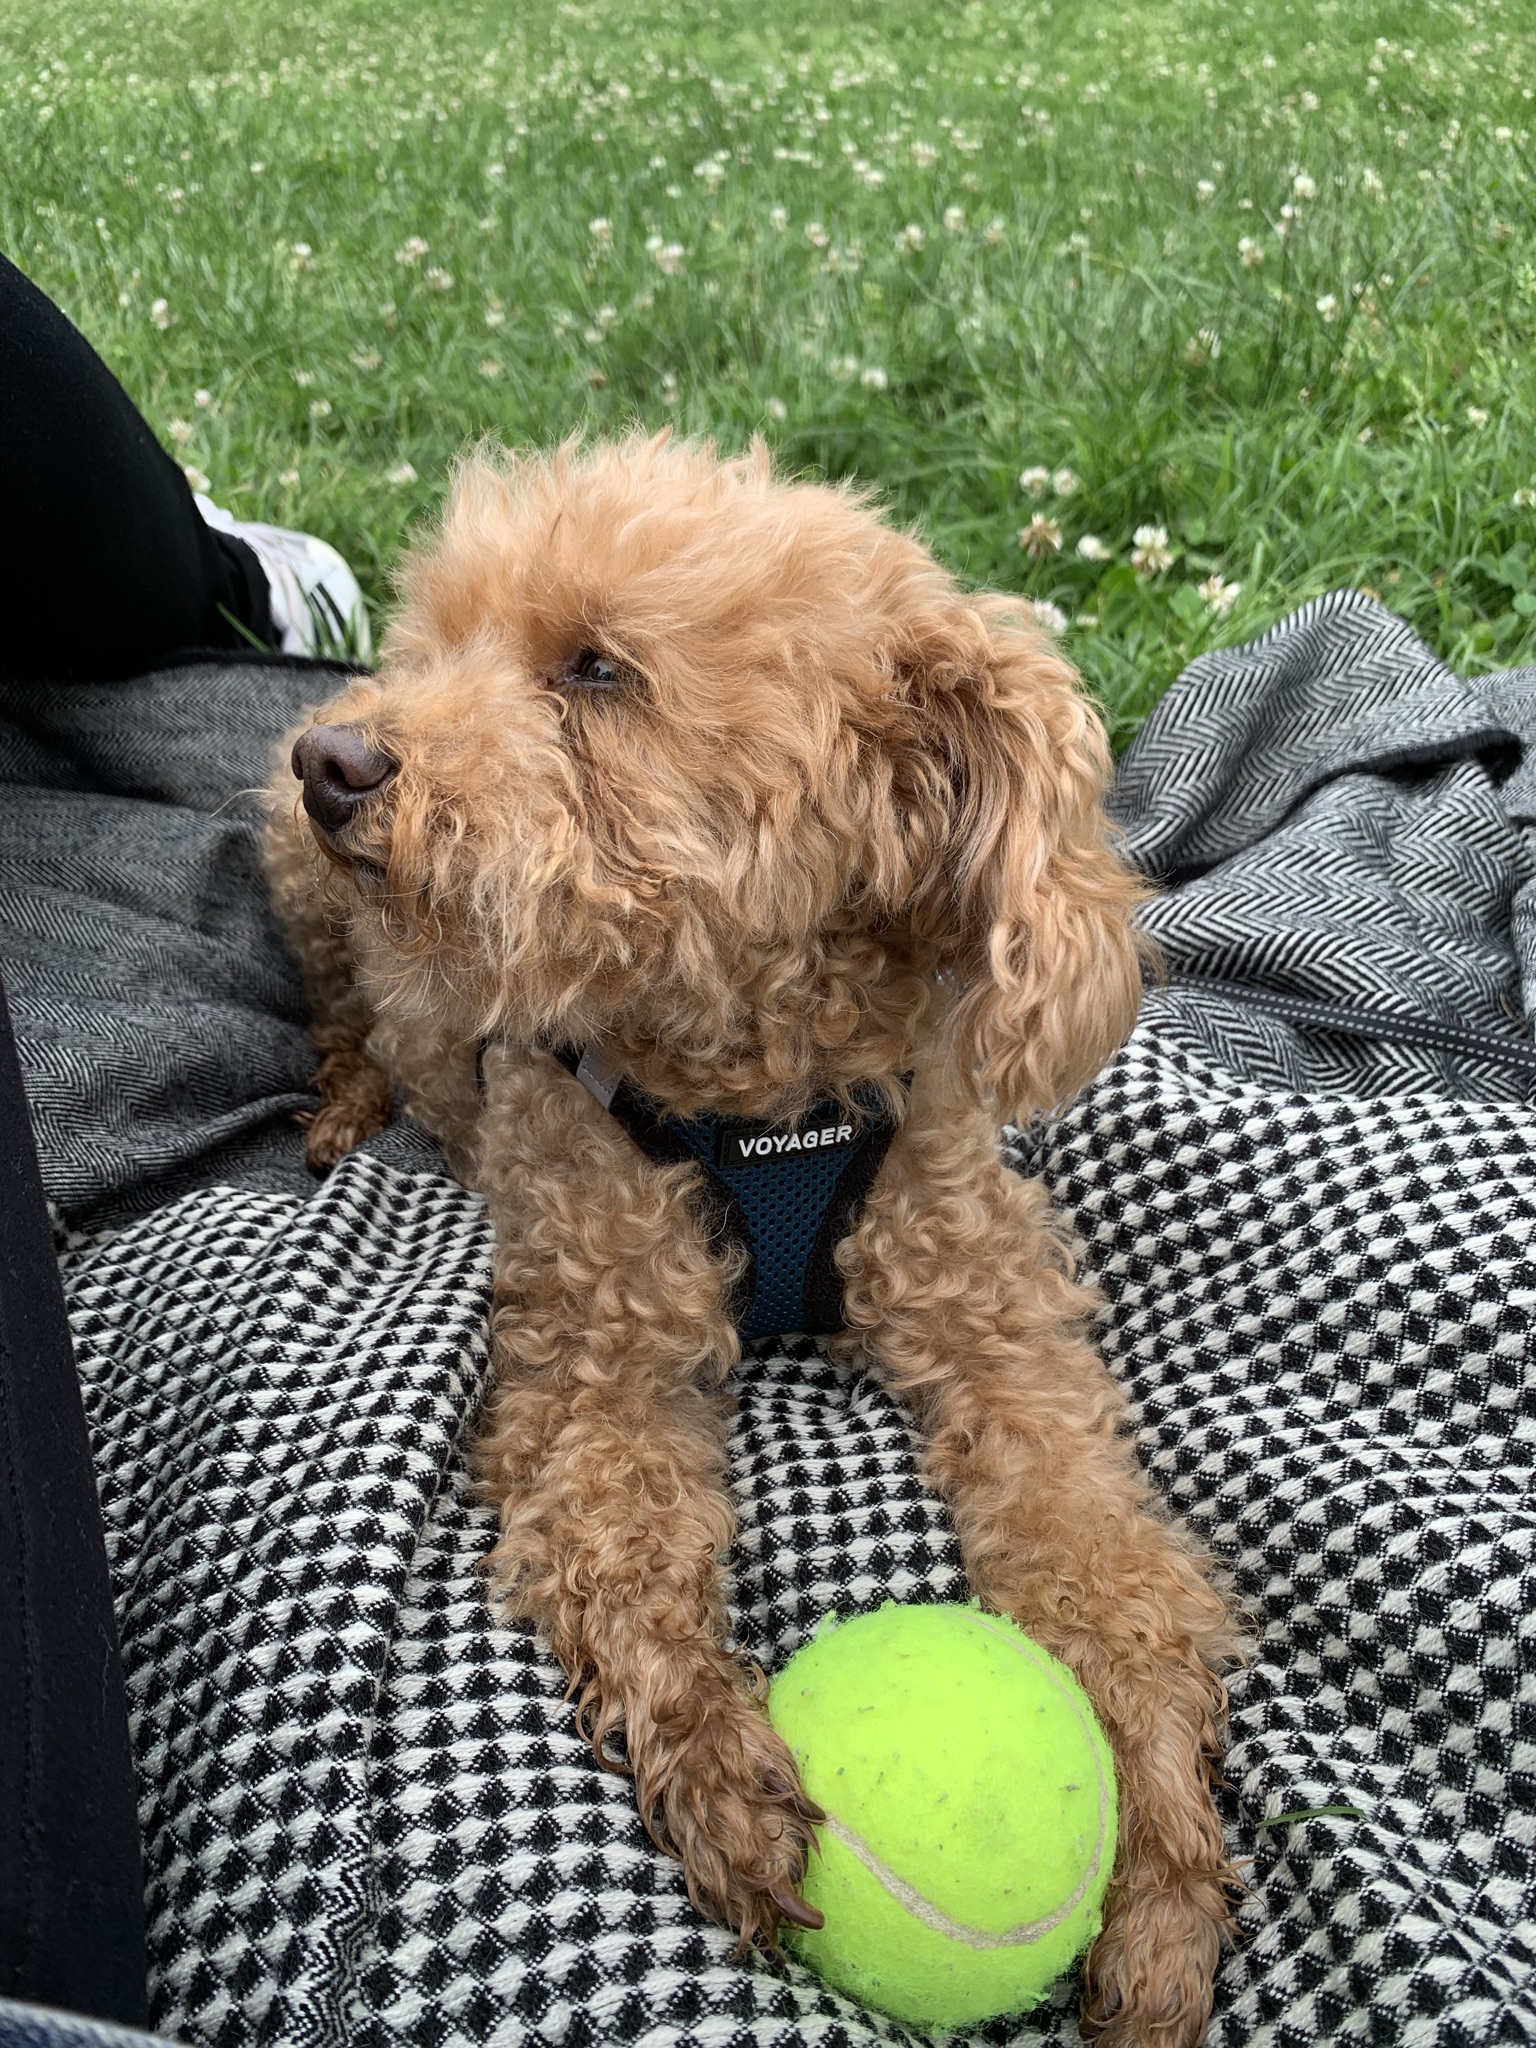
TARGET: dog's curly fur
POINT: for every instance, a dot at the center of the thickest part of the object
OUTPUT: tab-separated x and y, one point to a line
831	821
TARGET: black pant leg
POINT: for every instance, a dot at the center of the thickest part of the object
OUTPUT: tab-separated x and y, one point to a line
71	1875
106	566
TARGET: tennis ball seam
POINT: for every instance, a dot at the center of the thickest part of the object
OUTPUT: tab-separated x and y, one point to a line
934	1917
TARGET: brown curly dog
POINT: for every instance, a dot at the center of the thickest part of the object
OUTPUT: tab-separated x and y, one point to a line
721	776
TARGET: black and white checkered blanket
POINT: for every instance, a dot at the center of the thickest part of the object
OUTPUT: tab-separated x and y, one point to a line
1308	1186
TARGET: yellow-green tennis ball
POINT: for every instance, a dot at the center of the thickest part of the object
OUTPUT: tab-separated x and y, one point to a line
971	1812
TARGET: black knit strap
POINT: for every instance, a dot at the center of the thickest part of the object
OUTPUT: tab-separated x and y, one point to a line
71	1872
1356	1022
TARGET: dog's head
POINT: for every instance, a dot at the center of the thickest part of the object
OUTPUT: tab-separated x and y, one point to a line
727	775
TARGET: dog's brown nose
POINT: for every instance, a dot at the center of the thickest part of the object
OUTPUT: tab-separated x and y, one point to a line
340	770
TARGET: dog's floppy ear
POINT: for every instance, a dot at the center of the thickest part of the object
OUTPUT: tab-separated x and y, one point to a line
1025	900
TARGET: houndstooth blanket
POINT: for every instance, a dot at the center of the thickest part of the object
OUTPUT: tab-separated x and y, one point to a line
1307	1186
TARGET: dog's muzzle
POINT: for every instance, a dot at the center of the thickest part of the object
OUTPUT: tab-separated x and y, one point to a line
341	772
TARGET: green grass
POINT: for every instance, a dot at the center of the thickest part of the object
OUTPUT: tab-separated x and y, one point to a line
254	177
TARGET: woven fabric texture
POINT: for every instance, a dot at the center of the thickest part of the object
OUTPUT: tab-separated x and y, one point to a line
158	1018
367	1816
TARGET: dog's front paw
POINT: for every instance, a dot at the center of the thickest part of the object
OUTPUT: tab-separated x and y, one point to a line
727	1802
1149	1976
357	1100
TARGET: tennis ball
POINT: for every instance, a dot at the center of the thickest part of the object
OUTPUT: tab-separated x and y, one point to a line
971	1812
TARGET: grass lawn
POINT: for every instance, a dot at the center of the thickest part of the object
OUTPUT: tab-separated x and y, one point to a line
1257	278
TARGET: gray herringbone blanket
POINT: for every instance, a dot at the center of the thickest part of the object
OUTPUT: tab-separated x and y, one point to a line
1308	1187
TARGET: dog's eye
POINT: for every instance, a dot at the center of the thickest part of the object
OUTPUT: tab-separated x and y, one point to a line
590	670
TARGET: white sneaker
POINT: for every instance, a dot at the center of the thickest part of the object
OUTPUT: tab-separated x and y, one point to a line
316	604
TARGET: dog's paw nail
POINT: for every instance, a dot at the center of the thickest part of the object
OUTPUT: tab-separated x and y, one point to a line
794	1909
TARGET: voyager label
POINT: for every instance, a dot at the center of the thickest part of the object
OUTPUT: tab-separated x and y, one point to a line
757	1144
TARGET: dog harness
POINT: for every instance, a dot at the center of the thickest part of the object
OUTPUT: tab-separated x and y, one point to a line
786	1193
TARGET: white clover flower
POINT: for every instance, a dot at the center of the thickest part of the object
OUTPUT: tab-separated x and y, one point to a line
303	378
320	409
601	231
1219	595
909	239
440	280
1092	549
160	315
924	155
495	313
658	163
1151	553
844	367
402	473
1042	536
1303	186
181	432
1250	253
196	478
367	358
995	233
1049	615
411	250
1205	191
1476	416
1328	306
873	378
1371	184
301	257
669	391
1503	134
495	169
1366	434
778	219
1065	481
1035	481
490	367
1524	498
289	479
776	409
816	234
710	174
204	401
954	220
1203	347
668	258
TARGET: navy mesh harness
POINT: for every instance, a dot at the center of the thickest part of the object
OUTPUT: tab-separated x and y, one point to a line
786	1193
